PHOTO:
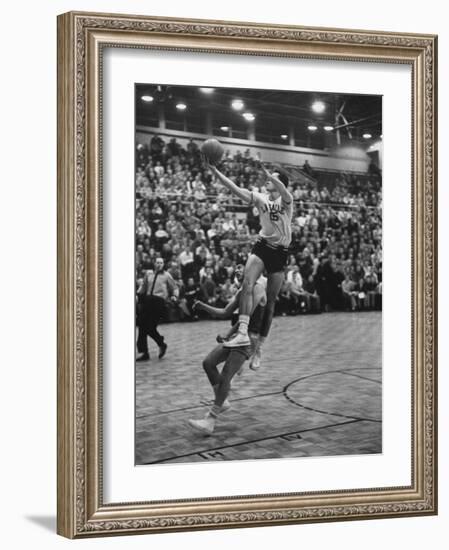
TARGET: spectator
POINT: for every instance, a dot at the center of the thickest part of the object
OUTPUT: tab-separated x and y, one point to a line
186	259
159	169
323	281
283	304
202	249
156	147
362	295
192	149
298	297
191	293
207	268
337	225
160	236
370	286
208	288
227	291
220	274
173	148
349	293
373	168
307	168
313	300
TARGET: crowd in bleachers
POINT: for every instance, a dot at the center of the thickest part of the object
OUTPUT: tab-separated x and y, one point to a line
203	232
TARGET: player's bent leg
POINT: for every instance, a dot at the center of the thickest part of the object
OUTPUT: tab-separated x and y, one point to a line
254	360
218	355
233	364
274	284
253	270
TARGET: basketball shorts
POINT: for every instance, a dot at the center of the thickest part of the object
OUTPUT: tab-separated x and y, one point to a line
274	257
245	351
255	321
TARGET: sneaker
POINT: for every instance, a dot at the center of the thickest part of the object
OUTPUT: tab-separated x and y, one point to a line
143	357
238	340
162	350
205	425
254	362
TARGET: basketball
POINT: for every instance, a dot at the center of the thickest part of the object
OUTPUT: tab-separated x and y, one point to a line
212	150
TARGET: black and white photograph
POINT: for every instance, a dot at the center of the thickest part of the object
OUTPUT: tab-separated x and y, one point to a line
258	274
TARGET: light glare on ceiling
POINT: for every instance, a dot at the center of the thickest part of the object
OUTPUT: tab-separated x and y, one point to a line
318	107
237	104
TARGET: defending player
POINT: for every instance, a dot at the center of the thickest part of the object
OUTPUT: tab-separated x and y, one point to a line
232	357
270	251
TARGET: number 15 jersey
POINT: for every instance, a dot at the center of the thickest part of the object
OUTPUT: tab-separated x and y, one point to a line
275	219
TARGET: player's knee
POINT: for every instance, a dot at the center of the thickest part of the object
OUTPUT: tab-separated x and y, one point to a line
247	285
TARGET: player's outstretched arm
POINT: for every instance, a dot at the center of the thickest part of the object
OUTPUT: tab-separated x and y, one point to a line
242	194
218	312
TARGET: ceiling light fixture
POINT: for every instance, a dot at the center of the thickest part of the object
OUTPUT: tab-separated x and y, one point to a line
318	107
249	117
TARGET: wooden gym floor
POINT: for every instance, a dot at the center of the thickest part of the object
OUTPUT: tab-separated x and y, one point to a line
318	392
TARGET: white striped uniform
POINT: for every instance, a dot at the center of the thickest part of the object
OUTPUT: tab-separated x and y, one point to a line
275	219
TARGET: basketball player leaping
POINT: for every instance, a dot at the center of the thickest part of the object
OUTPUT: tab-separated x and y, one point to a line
269	252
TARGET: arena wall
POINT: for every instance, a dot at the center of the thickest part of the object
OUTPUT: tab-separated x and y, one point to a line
351	158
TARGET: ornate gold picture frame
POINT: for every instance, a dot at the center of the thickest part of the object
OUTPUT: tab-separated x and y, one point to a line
82	510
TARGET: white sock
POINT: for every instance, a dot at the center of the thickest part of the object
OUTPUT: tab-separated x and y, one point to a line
243	324
260	342
254	339
214	412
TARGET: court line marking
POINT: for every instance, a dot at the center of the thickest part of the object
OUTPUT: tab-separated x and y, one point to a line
362	377
353	421
296	403
200	406
329	354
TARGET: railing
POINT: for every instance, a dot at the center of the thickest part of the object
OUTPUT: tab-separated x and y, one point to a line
238	203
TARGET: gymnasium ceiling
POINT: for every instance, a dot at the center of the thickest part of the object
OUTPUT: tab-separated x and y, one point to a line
276	112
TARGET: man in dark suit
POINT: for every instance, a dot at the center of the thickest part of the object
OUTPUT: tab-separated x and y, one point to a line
156	288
